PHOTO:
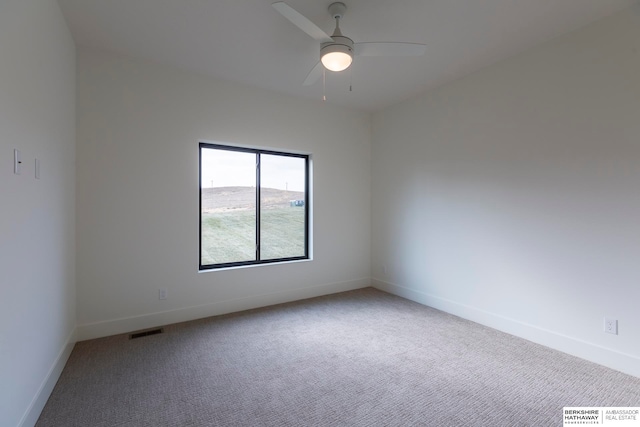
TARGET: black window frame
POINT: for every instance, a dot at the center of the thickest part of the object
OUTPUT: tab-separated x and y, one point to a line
258	152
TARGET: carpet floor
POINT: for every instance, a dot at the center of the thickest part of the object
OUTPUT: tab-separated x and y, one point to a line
358	358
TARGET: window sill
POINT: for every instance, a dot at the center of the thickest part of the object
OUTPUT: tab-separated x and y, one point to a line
266	264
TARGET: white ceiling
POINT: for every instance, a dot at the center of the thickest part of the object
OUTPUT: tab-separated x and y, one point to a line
248	41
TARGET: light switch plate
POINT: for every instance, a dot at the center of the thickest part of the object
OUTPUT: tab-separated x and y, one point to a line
611	326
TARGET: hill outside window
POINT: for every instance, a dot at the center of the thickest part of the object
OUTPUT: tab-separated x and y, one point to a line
254	206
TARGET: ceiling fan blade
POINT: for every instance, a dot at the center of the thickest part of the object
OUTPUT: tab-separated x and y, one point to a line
389	49
314	75
301	21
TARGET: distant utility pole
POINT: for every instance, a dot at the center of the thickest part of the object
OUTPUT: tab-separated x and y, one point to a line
211	183
286	186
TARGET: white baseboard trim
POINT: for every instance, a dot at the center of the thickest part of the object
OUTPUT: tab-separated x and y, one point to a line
134	323
627	363
32	413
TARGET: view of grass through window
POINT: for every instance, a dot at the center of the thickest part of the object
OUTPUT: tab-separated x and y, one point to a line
253	206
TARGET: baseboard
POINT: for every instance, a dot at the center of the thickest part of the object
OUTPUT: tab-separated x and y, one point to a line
627	363
32	413
128	324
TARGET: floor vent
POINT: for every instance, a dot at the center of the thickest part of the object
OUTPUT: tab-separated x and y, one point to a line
141	334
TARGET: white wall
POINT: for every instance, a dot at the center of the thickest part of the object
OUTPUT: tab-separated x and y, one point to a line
512	196
139	124
37	116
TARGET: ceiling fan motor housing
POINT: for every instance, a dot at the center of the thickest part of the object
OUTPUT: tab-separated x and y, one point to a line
339	44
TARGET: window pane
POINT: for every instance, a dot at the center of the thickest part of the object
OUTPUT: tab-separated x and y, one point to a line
282	206
228	186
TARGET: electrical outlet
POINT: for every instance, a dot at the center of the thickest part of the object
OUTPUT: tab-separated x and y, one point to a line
611	326
384	269
162	293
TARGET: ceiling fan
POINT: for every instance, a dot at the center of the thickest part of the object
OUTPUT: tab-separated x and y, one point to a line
337	51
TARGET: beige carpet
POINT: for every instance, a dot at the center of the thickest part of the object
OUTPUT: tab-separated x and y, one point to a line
360	358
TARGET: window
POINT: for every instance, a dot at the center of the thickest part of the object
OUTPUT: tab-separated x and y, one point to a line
254	206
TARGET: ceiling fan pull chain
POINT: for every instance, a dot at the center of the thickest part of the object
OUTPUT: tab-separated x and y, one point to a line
350	79
324	78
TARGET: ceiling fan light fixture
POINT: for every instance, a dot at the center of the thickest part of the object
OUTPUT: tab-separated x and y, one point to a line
337	55
337	51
